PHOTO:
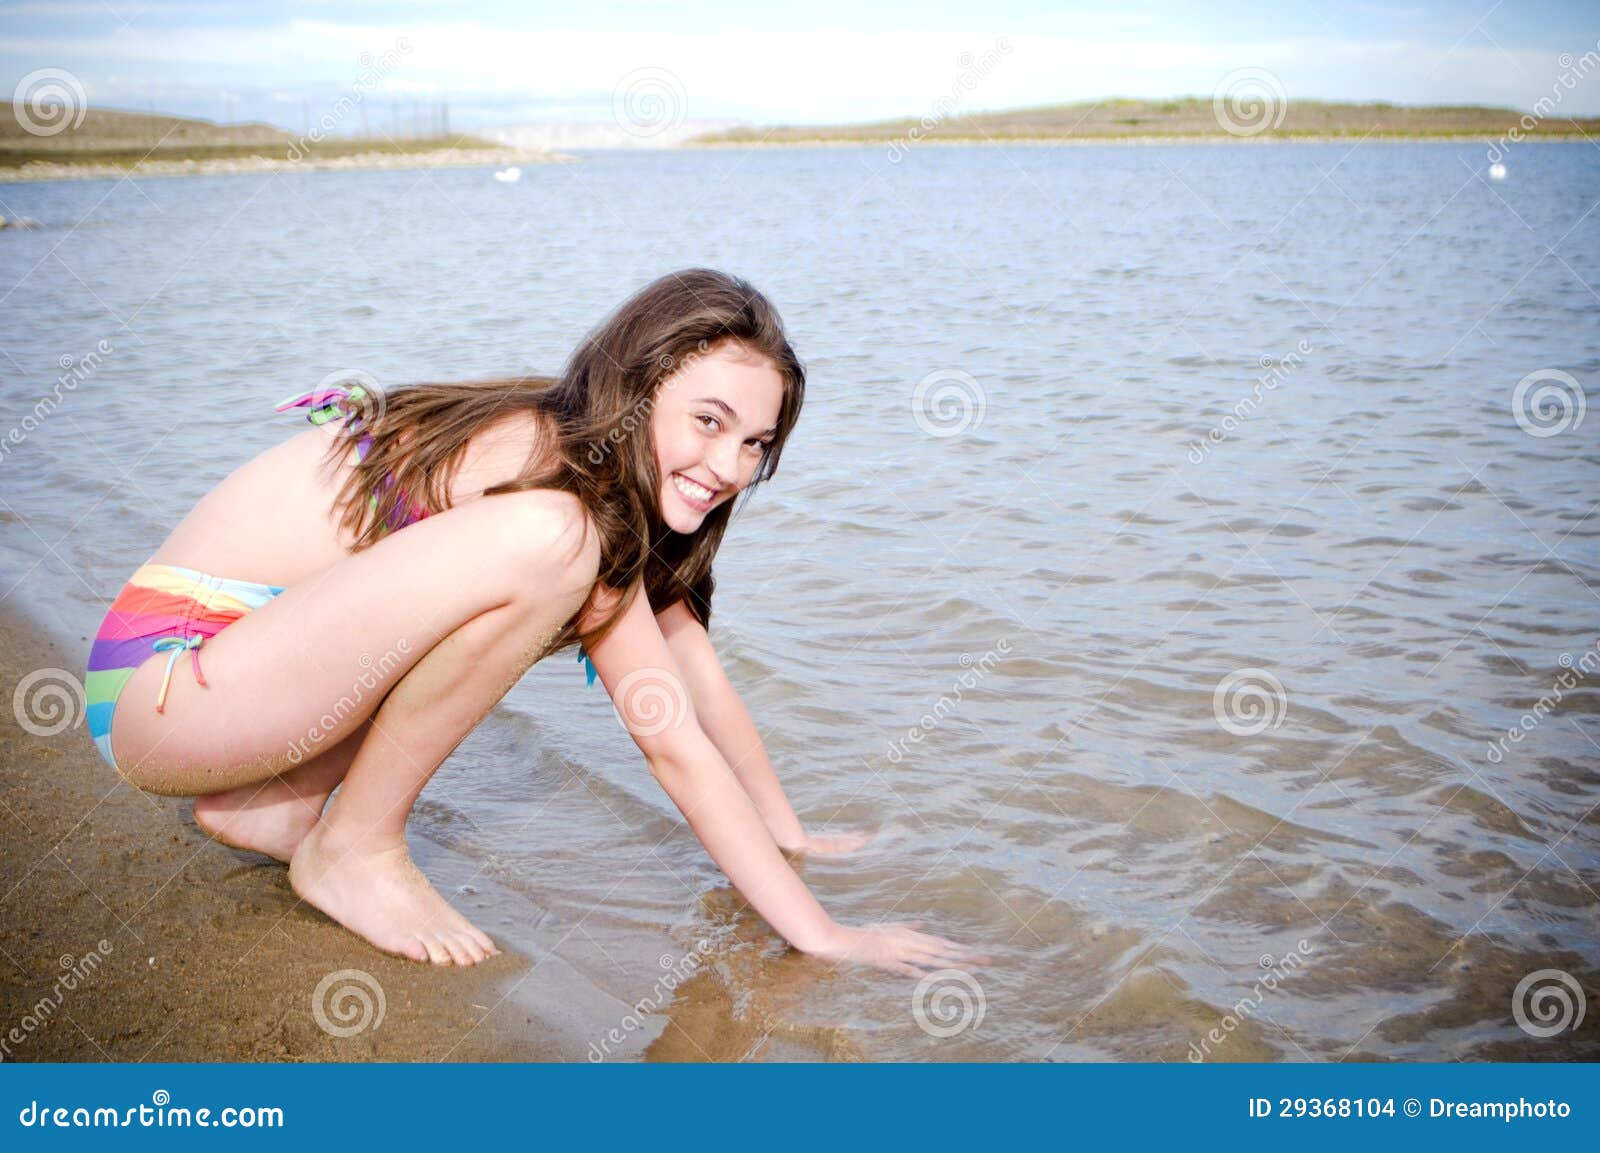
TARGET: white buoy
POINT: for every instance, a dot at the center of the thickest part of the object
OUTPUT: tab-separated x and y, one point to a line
1497	172
509	175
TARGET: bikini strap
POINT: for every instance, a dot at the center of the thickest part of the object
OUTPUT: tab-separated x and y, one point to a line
587	663
325	404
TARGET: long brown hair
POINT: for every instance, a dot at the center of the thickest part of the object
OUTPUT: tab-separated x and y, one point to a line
603	454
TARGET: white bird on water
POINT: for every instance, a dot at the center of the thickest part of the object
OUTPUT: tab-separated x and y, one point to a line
1497	172
509	175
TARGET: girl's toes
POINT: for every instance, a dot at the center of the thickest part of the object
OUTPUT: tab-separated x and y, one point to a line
437	953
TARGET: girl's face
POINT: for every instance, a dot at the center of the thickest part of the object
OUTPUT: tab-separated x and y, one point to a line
712	421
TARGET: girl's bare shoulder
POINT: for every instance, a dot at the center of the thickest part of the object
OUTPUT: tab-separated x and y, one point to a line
502	450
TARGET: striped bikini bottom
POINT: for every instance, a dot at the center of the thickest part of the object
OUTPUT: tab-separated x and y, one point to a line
162	608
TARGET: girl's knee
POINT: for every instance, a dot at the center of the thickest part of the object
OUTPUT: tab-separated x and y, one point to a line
545	542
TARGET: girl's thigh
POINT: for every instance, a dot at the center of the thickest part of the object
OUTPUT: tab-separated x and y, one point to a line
299	674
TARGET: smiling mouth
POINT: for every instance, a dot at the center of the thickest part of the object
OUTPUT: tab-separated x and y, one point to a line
696	494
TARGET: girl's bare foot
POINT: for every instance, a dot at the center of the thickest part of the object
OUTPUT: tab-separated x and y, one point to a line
269	817
375	891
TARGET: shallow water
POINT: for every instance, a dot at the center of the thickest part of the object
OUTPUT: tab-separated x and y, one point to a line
1206	577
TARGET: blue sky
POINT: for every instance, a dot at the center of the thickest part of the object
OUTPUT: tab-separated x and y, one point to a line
512	62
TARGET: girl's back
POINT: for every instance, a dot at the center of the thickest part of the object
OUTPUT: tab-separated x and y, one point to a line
273	518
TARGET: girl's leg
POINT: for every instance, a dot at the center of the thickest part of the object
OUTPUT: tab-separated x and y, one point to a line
505	572
272	816
353	864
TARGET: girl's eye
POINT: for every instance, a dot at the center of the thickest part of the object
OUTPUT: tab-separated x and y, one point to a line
757	444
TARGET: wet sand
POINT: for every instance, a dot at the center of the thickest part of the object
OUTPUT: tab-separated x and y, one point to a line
149	942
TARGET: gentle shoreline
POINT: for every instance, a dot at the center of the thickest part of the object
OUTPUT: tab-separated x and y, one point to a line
906	144
175	948
43	170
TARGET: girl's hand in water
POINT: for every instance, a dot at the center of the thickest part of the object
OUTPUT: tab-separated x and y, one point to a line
833	844
899	948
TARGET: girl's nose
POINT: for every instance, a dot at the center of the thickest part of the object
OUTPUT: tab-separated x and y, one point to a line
723	460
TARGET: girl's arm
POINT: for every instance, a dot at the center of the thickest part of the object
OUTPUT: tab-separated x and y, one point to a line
727	722
653	699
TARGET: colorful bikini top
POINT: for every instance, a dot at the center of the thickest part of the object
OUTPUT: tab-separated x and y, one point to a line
335	402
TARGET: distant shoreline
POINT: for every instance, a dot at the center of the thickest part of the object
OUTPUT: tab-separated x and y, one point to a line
1080	141
90	168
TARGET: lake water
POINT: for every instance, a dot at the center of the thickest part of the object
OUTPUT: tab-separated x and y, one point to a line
1167	542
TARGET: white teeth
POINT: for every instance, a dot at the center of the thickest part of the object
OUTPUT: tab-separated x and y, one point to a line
695	492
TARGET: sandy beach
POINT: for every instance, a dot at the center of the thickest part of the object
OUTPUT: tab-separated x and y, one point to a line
130	936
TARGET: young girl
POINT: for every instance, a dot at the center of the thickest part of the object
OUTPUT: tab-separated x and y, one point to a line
537	513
